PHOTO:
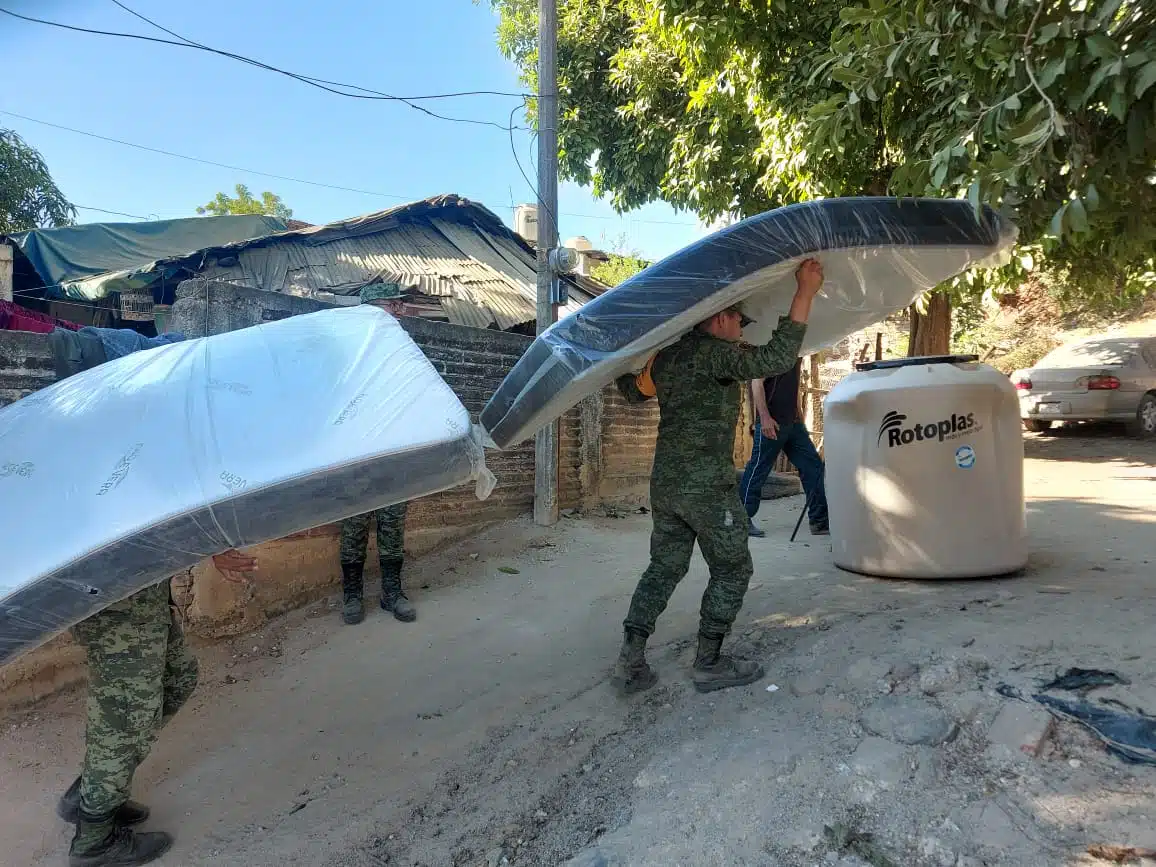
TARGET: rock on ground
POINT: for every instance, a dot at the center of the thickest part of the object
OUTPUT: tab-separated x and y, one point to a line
908	721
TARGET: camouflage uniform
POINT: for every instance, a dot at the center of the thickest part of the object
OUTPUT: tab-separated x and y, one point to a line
693	490
140	674
390	531
390	534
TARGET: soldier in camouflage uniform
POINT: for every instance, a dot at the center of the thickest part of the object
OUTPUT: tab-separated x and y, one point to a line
140	673
390	520
693	491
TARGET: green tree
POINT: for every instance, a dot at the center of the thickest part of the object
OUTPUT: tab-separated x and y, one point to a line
244	203
618	268
623	263
29	198
1043	108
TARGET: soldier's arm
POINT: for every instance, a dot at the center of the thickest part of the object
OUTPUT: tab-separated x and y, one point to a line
736	361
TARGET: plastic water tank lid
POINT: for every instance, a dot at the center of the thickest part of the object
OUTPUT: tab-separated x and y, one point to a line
919	359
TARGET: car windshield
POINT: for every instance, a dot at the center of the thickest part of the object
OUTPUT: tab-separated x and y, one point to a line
1097	352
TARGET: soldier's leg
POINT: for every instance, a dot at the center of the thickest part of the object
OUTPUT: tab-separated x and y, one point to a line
354	541
391	555
671	544
355	538
181	670
719	522
127	646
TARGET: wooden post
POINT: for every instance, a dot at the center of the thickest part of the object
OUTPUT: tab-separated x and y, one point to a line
878	345
5	272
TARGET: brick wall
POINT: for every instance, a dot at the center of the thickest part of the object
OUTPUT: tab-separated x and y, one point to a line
25	364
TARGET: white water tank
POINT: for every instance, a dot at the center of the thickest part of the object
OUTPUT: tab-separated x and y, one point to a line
925	470
526	222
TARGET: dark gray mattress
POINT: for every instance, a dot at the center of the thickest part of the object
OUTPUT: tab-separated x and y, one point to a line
879	254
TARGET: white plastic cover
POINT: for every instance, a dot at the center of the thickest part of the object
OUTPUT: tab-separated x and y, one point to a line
118	477
878	255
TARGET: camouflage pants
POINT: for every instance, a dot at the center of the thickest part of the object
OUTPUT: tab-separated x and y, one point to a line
390	534
140	672
718	521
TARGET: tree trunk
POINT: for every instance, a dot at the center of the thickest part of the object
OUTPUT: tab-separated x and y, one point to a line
930	332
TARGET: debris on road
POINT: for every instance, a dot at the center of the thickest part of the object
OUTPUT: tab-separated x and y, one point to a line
1083	680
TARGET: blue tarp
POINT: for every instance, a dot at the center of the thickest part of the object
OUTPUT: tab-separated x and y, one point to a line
76	253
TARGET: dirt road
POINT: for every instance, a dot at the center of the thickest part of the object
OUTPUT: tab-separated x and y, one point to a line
486	734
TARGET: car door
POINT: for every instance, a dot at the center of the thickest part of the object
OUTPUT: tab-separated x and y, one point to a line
1147	374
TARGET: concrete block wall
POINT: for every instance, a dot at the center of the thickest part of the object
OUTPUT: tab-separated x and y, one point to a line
25	365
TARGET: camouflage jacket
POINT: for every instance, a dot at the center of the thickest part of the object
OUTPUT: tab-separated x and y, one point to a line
699	382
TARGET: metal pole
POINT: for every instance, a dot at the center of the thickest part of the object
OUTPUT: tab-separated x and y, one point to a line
546	445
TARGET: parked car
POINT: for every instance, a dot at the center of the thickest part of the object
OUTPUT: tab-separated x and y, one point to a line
1095	379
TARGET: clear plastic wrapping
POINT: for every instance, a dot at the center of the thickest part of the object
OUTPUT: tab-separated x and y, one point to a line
878	255
122	475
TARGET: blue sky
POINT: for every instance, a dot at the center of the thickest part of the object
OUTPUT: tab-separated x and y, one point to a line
217	109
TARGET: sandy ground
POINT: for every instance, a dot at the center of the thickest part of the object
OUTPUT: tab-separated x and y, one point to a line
486	734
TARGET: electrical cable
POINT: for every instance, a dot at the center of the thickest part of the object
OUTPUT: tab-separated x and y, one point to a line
295	180
367	93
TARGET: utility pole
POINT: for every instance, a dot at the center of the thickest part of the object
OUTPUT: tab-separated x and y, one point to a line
546	444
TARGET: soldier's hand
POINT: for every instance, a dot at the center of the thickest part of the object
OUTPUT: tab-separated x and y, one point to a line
233	565
809	277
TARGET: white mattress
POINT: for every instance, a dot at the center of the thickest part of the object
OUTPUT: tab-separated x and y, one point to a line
120	476
878	255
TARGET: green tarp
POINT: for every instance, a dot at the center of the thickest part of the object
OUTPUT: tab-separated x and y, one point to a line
87	262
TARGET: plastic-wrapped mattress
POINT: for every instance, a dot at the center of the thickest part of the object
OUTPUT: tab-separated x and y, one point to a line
122	475
878	255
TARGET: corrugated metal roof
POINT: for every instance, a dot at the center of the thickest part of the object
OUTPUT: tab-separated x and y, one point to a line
448	248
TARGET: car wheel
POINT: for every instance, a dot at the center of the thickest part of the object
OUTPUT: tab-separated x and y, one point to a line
1036	425
1145	424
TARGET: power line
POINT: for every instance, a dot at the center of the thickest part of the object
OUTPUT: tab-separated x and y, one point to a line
206	162
322	84
321	184
107	211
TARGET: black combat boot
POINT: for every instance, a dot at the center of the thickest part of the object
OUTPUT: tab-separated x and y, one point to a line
100	842
393	598
68	809
714	670
631	672
352	588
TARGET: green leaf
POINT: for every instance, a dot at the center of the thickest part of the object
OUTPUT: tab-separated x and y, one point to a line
1047	33
1012	103
1077	216
933	51
973	193
1057	225
1001	8
843	75
1036	135
1144	79
1092	197
1100	46
509	570
999	162
1052	70
1118	107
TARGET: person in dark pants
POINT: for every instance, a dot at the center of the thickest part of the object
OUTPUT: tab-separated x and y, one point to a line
779	428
